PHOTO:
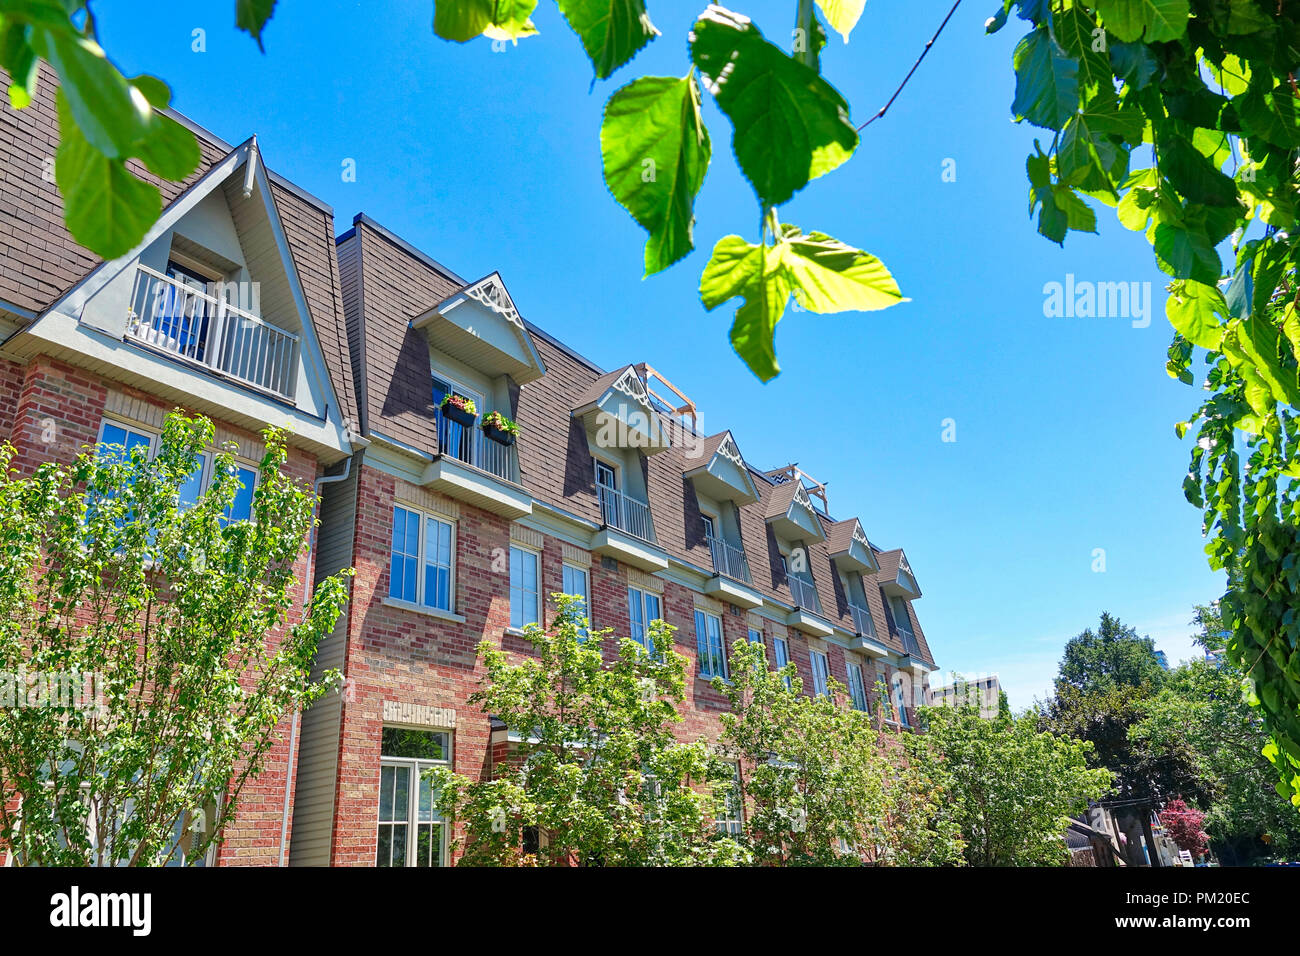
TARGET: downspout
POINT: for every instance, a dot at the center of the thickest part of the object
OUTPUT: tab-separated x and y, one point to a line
290	775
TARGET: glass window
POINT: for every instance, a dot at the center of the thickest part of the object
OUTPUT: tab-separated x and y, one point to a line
782	652
820	674
113	434
731	819
708	526
857	689
523	587
191	488
711	656
574	582
411	833
421	569
241	509
642	608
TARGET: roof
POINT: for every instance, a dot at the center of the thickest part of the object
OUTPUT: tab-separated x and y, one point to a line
40	261
839	535
554	457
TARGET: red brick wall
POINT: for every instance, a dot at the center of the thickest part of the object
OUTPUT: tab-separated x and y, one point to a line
56	414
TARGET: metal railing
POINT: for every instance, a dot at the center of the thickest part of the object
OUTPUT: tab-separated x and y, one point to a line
467	443
728	559
181	320
911	647
804	593
862	622
620	511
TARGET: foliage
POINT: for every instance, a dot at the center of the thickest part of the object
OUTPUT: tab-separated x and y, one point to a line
1104	681
1183	824
172	613
500	423
1010	788
820	784
599	777
1205	92
460	402
1203	719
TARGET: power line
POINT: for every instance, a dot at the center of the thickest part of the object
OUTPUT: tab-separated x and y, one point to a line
928	44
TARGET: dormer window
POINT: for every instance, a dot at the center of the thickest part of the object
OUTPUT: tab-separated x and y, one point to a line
618	416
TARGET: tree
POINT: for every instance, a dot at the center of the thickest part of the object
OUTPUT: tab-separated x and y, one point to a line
1010	788
655	146
598	777
820	784
1210	88
1112	657
147	648
1183	824
1202	718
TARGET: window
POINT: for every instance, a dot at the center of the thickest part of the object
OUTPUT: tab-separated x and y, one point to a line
902	700
857	690
574	582
708	644
708	526
642	608
454	438
782	652
901	618
886	697
755	636
421	570
112	433
607	492
820	673
411	833
523	587
731	815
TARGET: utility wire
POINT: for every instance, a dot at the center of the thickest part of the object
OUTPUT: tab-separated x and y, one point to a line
928	44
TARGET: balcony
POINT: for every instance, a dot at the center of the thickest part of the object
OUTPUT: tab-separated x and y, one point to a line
468	444
804	594
911	647
187	323
862	623
625	513
728	559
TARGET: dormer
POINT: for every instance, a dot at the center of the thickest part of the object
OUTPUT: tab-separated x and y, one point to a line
850	549
790	513
618	416
895	576
718	471
479	326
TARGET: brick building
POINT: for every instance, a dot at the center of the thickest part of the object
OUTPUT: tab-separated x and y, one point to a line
613	490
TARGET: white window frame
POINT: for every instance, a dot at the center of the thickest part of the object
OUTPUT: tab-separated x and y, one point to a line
416	766
821	681
566	570
517	587
731	822
857	687
704	648
781	654
641	598
206	457
422	559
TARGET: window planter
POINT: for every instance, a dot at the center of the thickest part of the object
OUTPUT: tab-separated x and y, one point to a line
457	408
499	428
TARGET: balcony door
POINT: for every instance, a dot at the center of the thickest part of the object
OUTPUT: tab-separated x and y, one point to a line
607	492
455	439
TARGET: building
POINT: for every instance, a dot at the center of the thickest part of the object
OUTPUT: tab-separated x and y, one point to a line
1162	659
613	489
982	692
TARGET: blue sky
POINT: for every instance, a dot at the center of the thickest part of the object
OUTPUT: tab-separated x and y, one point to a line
490	160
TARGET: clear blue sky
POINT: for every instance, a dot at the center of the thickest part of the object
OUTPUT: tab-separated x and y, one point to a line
486	161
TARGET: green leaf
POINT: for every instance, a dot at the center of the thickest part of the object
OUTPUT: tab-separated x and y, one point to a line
789	125
1272	115
827	276
1134	63
1186	253
655	151
1198	312
106	208
171	151
461	20
1155	21
842	15
1244	16
21	62
112	115
1194	176
754	272
1047	86
251	17
1135	209
1074	30
511	20
612	31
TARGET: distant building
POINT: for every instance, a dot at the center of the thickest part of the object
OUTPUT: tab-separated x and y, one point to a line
1163	658
983	692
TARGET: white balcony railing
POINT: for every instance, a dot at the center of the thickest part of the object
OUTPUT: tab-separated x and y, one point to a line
188	323
728	560
467	443
862	623
805	594
911	646
619	511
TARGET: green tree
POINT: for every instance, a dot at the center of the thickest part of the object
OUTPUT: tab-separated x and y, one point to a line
1203	92
598	777
789	126
1010	788
1112	657
820	784
173	622
1203	720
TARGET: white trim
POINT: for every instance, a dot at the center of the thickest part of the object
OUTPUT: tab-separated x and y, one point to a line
422	560
537	595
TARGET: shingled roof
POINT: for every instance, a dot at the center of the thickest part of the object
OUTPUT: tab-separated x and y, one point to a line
40	261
